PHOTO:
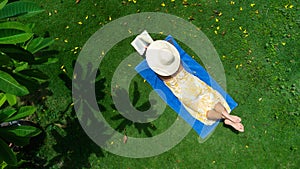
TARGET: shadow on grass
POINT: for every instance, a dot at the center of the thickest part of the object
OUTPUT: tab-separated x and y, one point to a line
73	145
37	97
74	148
141	114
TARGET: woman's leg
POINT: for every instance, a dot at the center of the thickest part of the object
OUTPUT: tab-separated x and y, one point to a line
220	108
217	114
213	115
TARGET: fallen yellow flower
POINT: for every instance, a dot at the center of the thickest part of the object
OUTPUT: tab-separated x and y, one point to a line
286	6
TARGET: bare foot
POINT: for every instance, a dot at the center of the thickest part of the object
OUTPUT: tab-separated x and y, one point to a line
238	126
232	118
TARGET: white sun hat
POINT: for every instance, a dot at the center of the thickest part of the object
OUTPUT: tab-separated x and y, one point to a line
163	58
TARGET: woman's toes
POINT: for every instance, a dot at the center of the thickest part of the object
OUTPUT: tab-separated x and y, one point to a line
236	119
237	126
232	118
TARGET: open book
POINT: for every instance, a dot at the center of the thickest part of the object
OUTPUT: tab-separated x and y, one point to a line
141	42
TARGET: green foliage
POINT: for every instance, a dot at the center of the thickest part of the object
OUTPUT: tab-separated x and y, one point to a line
39	43
18	47
16	134
6	114
18	78
19	8
3	3
14	32
19	135
262	72
11	99
23	112
7	154
2	99
9	85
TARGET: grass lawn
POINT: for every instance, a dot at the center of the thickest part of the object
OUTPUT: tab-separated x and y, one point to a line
258	44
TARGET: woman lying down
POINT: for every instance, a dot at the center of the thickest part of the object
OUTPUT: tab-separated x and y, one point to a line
200	100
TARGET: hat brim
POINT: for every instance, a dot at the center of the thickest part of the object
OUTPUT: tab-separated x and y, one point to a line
151	57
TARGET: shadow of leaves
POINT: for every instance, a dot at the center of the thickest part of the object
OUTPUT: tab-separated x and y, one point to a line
130	114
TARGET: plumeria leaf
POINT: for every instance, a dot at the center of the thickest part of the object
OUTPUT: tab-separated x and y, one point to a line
17	53
6	113
9	85
23	112
14	32
2	99
39	43
3	3
19	8
34	73
19	135
7	154
11	99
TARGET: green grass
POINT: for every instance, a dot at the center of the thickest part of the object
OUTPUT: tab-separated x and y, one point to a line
262	73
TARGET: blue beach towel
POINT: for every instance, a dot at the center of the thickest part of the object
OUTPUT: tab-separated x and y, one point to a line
193	67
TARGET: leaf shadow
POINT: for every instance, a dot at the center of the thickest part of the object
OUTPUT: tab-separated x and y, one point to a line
130	114
76	146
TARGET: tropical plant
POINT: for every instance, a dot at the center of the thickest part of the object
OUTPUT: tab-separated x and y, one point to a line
11	131
18	75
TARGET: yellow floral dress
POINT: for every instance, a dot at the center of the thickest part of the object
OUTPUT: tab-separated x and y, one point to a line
195	95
